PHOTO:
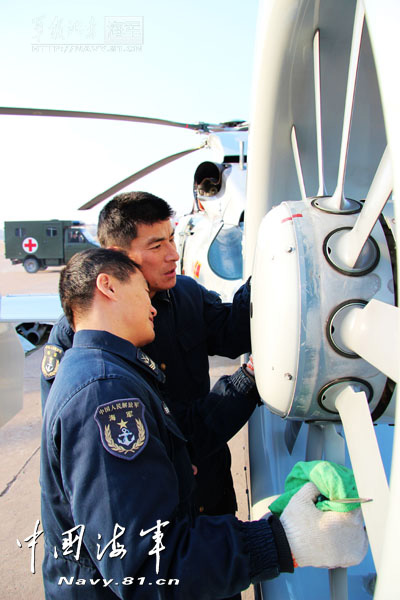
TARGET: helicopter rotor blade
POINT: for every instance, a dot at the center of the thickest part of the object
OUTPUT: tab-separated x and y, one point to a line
373	333
365	459
318	113
378	194
138	175
297	162
338	196
45	112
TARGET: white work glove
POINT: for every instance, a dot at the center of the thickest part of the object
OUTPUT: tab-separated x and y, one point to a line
326	539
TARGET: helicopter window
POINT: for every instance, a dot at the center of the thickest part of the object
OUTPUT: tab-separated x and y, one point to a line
20	232
225	252
51	231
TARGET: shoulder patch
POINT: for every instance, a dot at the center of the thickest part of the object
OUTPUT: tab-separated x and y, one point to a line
52	356
123	429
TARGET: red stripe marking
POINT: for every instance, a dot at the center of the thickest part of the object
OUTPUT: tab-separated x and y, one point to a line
292	217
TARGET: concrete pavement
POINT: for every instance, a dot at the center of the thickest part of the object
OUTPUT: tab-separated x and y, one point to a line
20	493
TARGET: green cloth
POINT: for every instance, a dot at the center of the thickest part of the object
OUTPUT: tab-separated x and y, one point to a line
332	480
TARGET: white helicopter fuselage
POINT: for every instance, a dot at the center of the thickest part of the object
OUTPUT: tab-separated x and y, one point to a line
209	240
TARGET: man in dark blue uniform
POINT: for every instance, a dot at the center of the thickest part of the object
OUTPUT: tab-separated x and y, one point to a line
116	476
192	324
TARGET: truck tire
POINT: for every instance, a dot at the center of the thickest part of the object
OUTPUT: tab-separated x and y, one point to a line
31	264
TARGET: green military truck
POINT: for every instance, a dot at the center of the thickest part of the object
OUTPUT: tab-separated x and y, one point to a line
40	244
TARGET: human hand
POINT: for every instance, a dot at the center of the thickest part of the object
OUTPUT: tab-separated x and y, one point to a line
325	539
249	366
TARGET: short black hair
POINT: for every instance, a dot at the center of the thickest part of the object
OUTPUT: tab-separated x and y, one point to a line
78	278
119	218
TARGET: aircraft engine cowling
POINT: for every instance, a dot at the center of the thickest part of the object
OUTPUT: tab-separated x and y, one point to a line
208	179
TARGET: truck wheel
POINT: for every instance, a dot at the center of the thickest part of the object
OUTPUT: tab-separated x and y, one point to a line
31	264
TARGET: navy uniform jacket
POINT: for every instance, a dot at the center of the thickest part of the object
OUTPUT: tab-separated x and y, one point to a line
112	455
192	323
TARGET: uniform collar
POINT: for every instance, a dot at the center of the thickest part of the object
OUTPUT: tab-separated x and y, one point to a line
91	338
164	295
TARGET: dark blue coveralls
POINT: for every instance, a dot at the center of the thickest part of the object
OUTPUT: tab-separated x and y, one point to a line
191	324
114	462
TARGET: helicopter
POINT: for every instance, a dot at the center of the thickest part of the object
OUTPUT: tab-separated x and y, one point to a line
209	238
318	230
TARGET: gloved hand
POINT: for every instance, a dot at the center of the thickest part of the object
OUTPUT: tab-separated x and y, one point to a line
249	366
326	539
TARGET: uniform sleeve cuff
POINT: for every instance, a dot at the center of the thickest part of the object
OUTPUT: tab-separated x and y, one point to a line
243	381
282	545
261	547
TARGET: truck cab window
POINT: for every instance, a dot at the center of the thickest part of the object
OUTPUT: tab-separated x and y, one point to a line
76	237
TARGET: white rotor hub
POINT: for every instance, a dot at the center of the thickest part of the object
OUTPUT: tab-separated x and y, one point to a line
300	300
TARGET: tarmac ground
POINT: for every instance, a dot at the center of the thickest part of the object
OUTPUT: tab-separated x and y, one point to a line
21	542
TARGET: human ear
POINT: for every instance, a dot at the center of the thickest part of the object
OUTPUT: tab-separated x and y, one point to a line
106	285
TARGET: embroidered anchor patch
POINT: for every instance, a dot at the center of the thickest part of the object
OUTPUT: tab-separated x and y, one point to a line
122	426
52	356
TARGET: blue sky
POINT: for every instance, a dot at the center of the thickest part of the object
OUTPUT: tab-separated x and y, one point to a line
189	61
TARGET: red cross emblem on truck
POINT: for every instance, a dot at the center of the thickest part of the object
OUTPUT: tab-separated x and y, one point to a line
30	245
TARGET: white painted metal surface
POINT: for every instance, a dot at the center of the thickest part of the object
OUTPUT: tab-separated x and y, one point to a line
11	372
375	201
276	304
321	121
373	333
195	233
296	293
13	311
366	459
30	308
